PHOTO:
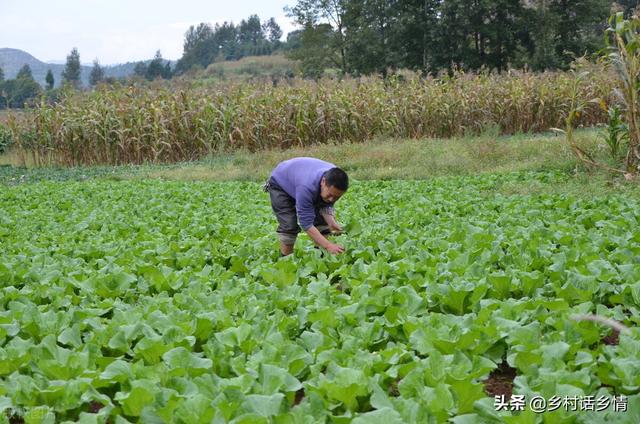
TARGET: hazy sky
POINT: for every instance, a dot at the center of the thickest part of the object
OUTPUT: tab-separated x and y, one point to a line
118	31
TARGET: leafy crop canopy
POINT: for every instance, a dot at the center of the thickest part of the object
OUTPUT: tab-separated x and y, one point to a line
160	301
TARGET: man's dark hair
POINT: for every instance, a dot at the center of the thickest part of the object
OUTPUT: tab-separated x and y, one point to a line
336	177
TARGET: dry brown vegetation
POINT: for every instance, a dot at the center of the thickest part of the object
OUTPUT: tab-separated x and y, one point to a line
142	125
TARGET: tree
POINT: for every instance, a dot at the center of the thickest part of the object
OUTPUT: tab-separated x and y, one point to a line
251	38
250	31
49	80
312	13
494	27
558	31
226	38
199	48
372	43
196	35
19	91
317	49
294	41
140	69
453	35
582	23
71	73
432	35
3	99
156	67
97	74
418	33
272	30
167	72
3	96
542	37
24	72
205	44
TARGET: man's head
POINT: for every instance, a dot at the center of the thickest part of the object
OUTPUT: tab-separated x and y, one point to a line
333	185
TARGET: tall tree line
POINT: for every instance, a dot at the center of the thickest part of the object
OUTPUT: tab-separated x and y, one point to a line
14	93
205	43
378	36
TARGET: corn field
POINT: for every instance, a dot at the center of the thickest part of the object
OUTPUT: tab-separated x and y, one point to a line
132	125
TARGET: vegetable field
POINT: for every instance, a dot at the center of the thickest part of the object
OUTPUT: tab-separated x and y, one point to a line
160	302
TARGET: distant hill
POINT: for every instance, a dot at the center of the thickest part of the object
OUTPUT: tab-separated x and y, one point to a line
11	60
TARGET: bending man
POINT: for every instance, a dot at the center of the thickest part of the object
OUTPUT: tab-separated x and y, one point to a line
303	190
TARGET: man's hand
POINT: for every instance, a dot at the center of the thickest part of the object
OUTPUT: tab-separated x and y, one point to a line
321	241
335	228
335	249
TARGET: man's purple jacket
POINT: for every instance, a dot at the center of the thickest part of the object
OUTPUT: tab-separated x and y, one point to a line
300	179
